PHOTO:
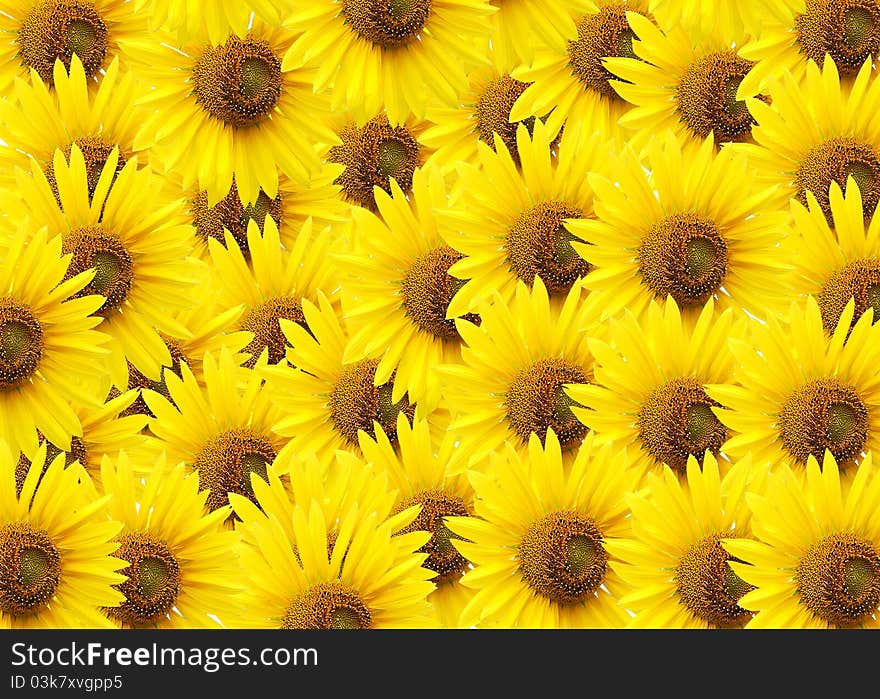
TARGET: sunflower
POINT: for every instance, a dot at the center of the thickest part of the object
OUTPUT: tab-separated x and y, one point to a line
683	80
796	32
231	102
37	33
180	559
569	83
273	285
817	562
678	573
817	133
48	341
840	262
800	391
512	224
37	121
135	239
521	26
326	401
375	56
537	542
397	288
223	431
368	574
690	223
190	18
422	472
371	154
648	386
56	570
515	366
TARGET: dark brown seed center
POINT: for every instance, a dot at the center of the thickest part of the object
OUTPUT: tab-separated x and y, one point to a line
388	24
835	160
605	34
94	248
859	280
328	605
263	321
21	343
232	215
226	462
30	569
847	30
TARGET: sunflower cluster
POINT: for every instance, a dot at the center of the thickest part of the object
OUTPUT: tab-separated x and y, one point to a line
439	313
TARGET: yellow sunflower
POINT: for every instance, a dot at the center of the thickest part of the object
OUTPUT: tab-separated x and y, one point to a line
273	285
48	342
817	133
511	223
839	262
223	431
817	562
56	569
367	575
133	236
800	391
683	80
231	102
796	32
537	542
326	401
515	366
569	83
421	470
689	222
37	33
180	560
676	569
36	120
374	56
397	288
648	385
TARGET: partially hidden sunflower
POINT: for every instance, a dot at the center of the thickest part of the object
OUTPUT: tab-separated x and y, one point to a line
180	560
224	430
521	26
816	564
56	567
688	222
537	540
424	473
373	55
678	573
799	391
48	341
648	384
133	236
514	369
232	103
511	223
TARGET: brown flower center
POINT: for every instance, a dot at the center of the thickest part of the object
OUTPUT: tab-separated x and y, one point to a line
239	81
153	580
859	280
539	244
355	403
136	379
706	96
57	29
838	579
372	154
95	152
30	569
21	343
387	23
685	256
707	585
444	559
492	112
226	462
536	401
93	247
561	557
677	421
263	321
427	290
328	605
231	214
605	34
822	415
847	30
77	452
835	160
